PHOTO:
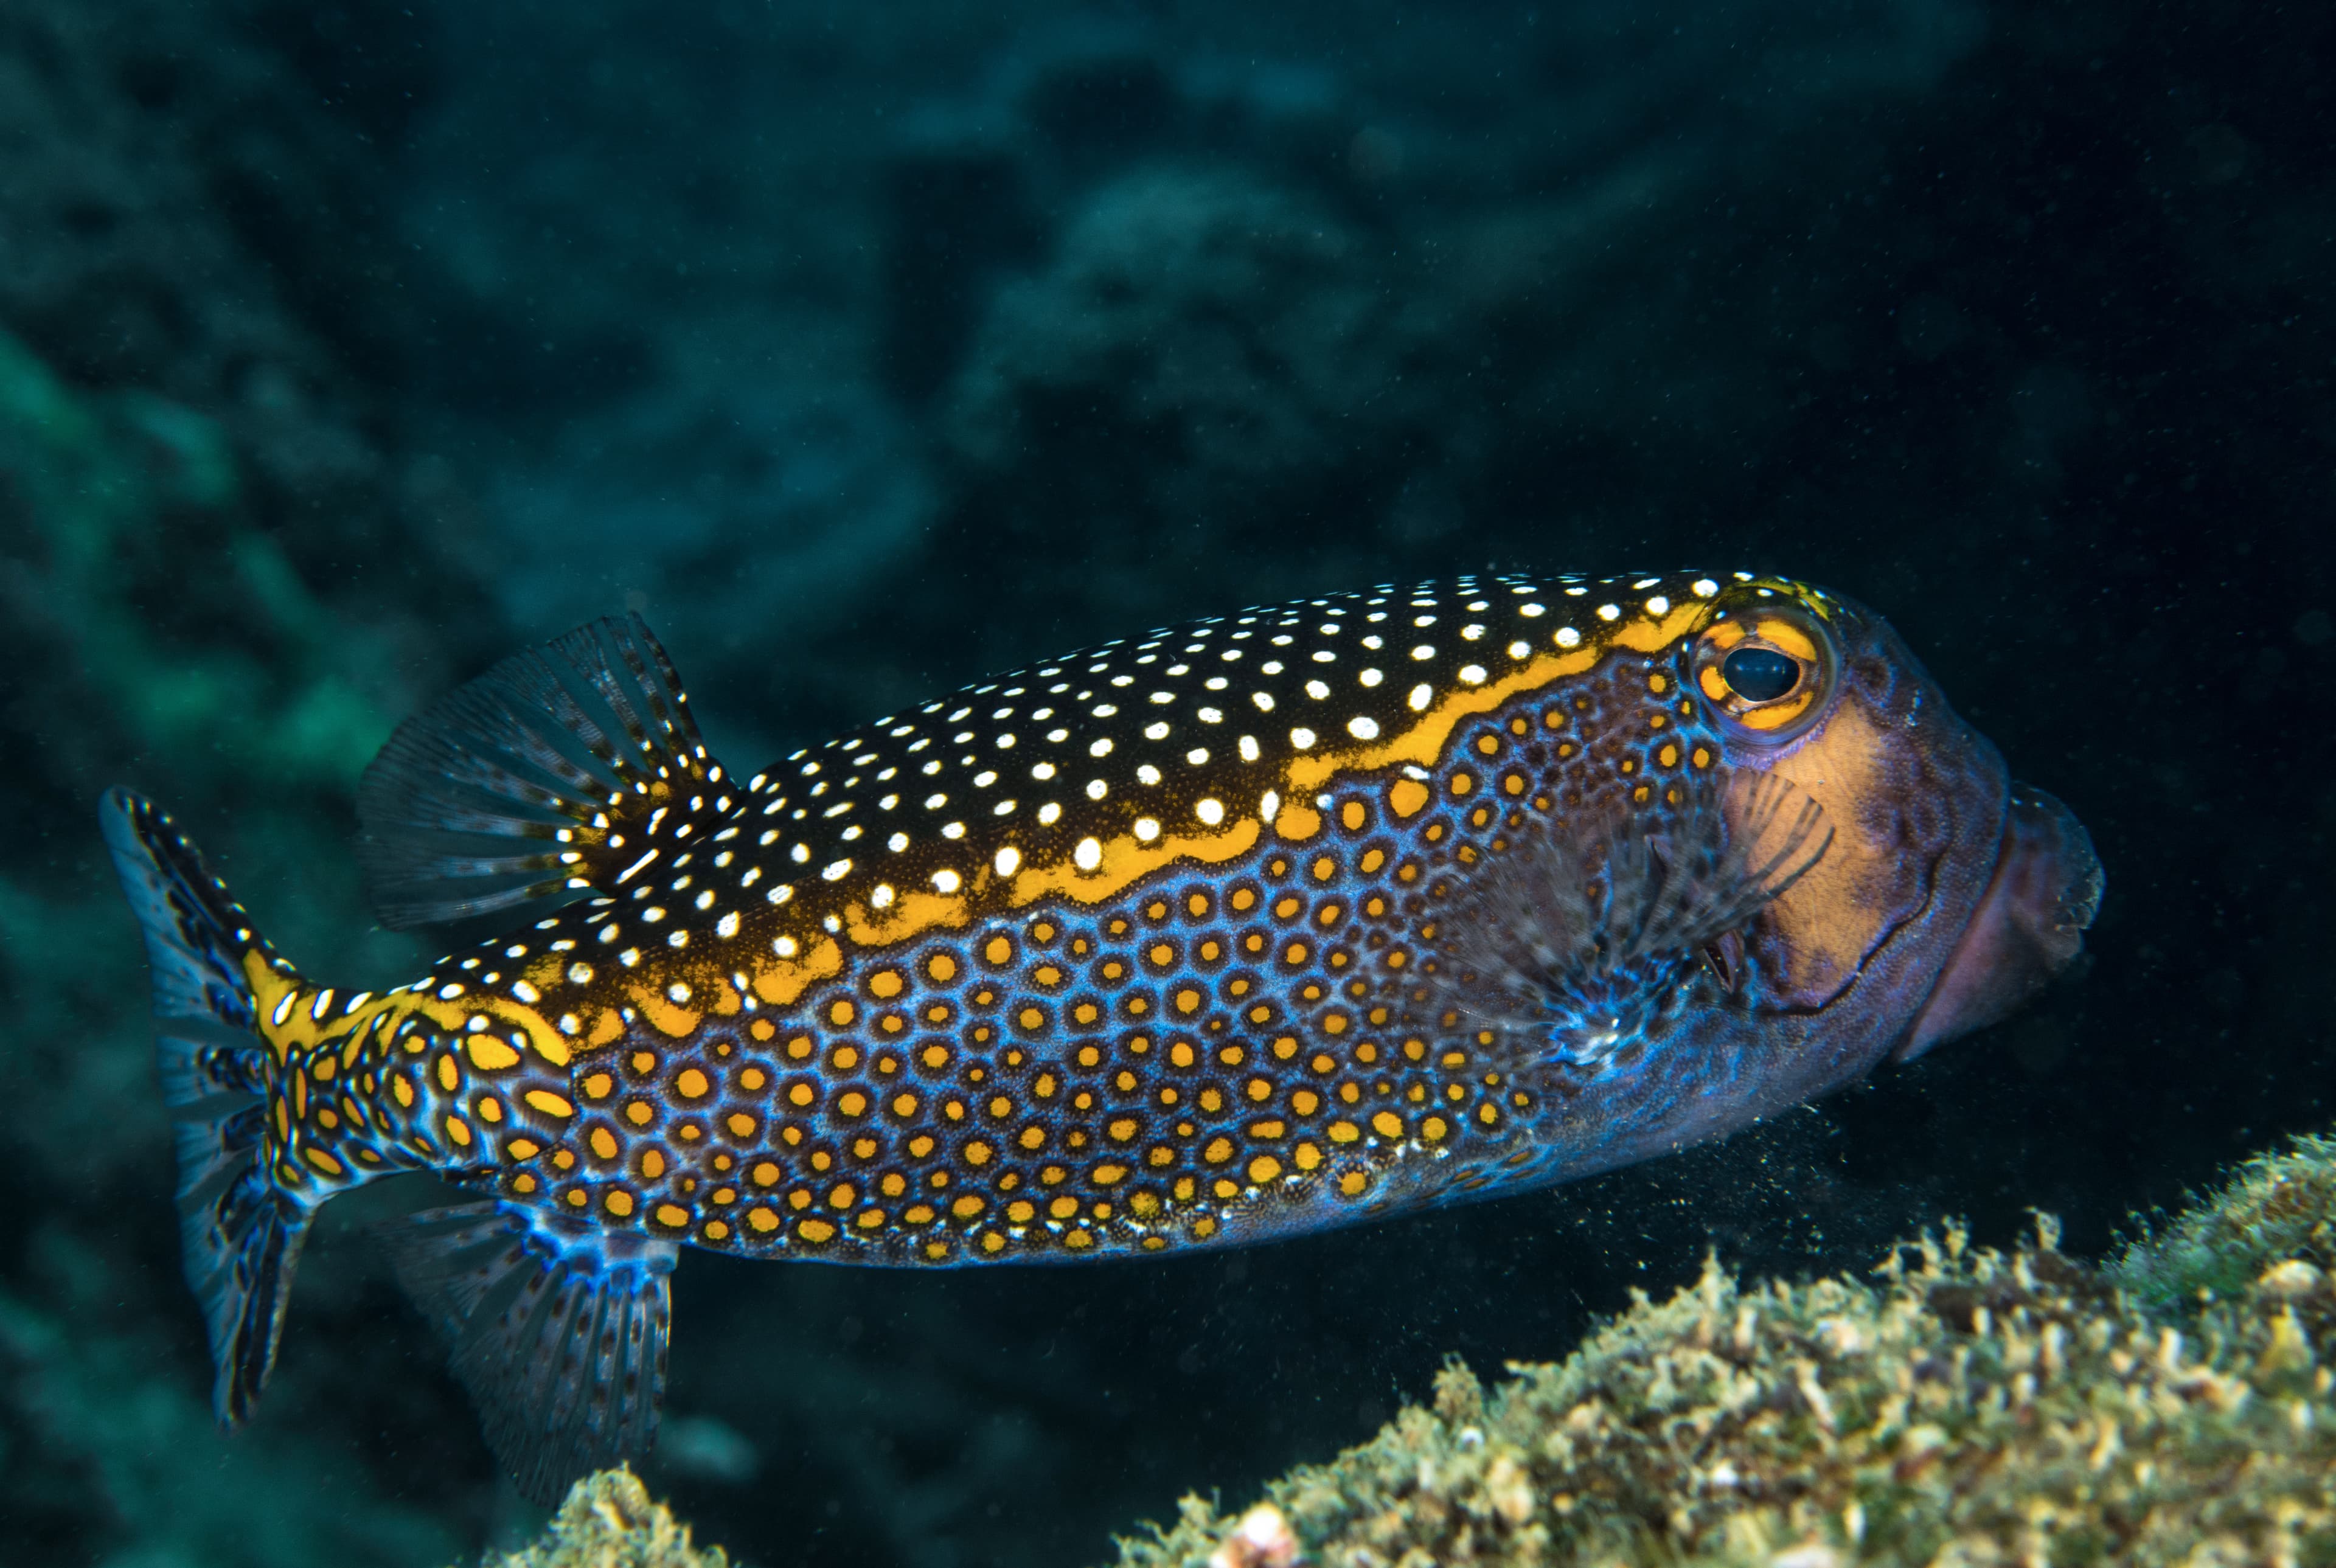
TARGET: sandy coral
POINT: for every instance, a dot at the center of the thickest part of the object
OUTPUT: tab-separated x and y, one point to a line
1968	1406
610	1521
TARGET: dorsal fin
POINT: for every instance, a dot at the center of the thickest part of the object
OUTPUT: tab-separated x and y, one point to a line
546	776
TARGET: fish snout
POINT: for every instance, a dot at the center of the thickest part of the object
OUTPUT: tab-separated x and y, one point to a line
2029	925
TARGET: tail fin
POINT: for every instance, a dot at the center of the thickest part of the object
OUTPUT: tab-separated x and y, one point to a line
240	1230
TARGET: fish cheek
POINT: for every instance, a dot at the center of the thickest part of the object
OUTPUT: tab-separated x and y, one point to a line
1869	879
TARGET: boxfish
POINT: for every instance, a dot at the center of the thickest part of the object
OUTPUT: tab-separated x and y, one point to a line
1248	927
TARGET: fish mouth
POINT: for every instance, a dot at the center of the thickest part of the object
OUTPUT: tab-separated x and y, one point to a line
2028	927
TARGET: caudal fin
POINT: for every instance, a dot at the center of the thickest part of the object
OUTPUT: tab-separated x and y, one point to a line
239	1230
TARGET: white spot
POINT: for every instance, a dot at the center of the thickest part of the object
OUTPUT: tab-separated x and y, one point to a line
1197	755
1531	610
947	881
1100	747
834	871
1147	774
1419	698
1705	588
1248	748
446	993
1324	655
727	926
935	802
526	992
1156	731
1087	855
1610	612
1423	652
1659	605
785	947
1050	813
1372	677
1471	633
579	973
1264	700
1646	582
1162	697
1106	709
1317	690
780	893
1212	715
676	939
679	991
1004	742
800	854
570	1023
1363	727
705	900
1301	738
952	830
896	842
1146	830
629	957
1519	649
1045	769
1210	812
882	897
1096	788
1473	673
1567	637
984	780
1007	859
1270	807
1576	591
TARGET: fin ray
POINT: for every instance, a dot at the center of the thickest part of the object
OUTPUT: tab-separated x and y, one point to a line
1575	930
240	1233
522	787
557	1327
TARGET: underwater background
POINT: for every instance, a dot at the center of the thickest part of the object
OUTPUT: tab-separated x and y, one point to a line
348	347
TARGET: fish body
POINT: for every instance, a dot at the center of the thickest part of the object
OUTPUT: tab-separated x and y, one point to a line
1254	926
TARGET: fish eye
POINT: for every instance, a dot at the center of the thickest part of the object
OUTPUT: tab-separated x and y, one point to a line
1760	674
1767	667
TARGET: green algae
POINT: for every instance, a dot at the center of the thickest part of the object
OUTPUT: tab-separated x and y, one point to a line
1964	1406
111	497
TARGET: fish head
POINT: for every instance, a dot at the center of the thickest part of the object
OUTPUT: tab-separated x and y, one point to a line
1947	893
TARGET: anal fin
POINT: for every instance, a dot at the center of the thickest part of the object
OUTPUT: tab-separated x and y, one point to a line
558	1330
552	773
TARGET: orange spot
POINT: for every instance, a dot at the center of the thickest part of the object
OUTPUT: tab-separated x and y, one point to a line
815	1231
598	1086
884	983
692	1084
549	1104
604	1143
619	1202
841	1013
1264	1169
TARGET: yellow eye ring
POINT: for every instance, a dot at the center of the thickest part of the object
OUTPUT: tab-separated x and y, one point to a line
1768	668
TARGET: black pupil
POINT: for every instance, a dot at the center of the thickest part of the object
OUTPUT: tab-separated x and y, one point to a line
1760	674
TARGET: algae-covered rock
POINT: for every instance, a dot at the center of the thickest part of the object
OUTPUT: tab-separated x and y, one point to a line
1968	1405
610	1521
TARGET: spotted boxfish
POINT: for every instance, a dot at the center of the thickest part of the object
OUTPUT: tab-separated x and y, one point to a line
1253	926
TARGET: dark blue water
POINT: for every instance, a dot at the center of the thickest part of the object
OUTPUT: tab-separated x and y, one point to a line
345	347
